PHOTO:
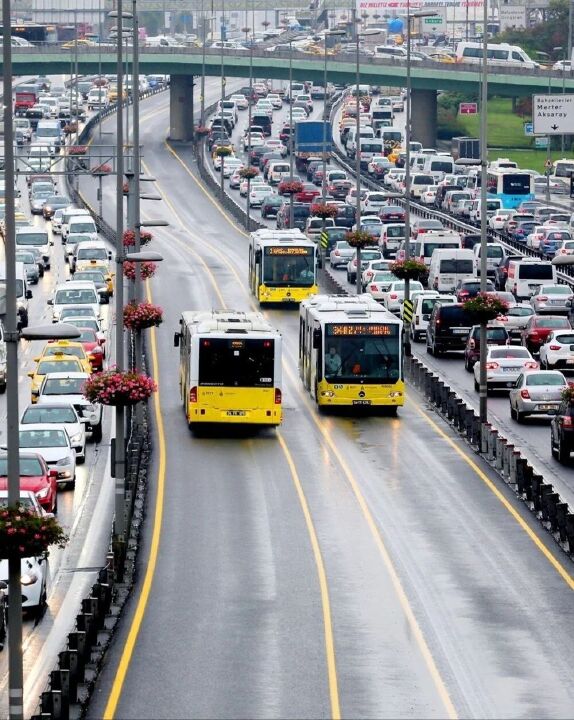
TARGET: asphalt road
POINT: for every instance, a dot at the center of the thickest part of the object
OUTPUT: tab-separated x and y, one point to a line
356	564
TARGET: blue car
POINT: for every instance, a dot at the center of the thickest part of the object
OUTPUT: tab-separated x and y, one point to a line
550	244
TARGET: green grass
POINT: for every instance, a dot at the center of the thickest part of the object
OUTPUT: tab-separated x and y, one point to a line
527	159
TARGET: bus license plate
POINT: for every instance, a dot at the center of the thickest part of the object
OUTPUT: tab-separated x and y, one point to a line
361	402
236	413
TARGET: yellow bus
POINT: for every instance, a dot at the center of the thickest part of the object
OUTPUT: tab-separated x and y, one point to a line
282	266
229	369
350	352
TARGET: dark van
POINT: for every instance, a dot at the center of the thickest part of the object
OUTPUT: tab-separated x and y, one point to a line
264	121
448	328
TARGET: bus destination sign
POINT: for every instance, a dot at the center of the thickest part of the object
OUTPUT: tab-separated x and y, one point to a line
377	330
274	250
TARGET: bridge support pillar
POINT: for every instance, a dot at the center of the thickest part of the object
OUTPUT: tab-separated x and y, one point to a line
423	117
181	108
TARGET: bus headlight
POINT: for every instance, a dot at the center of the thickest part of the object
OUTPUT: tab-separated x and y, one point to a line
395	394
327	393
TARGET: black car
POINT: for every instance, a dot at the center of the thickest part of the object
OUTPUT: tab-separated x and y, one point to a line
346	216
562	431
467	289
256	154
270	205
53	203
218	136
448	328
301	211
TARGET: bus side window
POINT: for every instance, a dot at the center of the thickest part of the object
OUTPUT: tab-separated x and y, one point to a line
301	336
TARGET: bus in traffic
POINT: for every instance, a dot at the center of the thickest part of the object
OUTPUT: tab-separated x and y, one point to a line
512	187
229	368
282	266
350	352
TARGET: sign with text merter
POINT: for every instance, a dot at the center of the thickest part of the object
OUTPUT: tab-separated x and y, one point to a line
553	114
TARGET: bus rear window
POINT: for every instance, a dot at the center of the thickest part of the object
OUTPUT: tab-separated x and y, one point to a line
535	272
236	362
456	266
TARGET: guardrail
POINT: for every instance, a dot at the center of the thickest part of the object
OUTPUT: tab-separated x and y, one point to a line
71	683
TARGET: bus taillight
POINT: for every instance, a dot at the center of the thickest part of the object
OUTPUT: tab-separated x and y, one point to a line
193	395
277	396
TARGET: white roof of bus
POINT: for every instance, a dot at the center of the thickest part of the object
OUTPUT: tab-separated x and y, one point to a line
338	308
226	321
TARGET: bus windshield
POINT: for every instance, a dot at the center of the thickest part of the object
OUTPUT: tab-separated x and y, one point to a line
289	266
236	362
358	353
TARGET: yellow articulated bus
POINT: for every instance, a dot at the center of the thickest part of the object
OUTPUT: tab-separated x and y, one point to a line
229	369
282	266
350	352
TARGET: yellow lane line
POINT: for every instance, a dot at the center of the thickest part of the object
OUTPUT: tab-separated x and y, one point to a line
323	585
560	569
127	652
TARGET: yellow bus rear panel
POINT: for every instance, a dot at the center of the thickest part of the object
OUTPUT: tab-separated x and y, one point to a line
248	406
336	395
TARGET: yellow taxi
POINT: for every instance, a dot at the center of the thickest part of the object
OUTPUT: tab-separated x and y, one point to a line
442	57
67	348
59	362
80	42
393	156
103	267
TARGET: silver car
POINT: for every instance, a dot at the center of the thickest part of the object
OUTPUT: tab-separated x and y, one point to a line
516	319
552	299
30	265
536	392
53	443
341	253
59	414
38	200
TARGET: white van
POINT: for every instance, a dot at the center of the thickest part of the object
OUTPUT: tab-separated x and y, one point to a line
67	215
438	166
23	294
492	206
88	250
27	237
448	266
424	304
497	54
390	51
502	164
392	137
75	293
278	171
365	132
495	254
426	243
419	183
527	275
49	134
370	148
82	224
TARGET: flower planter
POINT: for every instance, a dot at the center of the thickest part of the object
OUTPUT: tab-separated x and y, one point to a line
101	170
140	316
118	388
248	173
286	187
409	270
359	239
129	237
23	533
77	149
324	211
484	308
147	270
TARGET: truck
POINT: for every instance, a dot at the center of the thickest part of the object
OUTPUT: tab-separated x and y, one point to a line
25	98
312	139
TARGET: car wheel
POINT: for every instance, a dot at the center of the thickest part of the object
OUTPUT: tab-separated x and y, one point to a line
520	416
55	508
97	433
563	452
2	388
40	609
81	459
512	412
467	365
429	348
476	385
553	448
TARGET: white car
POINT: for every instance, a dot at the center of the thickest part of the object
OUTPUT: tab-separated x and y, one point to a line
503	366
258	192
515	320
379	284
59	414
53	443
372	267
394	295
276	146
57	221
75	293
235	180
231	165
241	101
373	202
66	388
428	196
252	140
217	161
534	238
558	350
299	114
567	248
257	180
499	219
275	101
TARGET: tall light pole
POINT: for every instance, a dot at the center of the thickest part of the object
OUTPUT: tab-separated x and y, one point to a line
358	36
291	132
248	199
204	40
545	56
328	33
407	296
483	392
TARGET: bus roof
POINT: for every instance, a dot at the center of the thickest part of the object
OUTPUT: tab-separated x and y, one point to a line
283	237
340	308
226	322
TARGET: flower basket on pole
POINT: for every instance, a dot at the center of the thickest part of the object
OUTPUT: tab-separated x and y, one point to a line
119	388
147	270
77	149
409	270
359	239
129	237
223	151
139	316
248	173
101	170
201	131
290	187
484	307
324	211
24	533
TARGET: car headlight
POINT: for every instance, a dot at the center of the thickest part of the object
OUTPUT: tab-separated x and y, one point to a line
41	494
76	439
63	461
28	578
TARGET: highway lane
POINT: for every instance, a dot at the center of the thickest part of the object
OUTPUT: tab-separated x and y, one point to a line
427	570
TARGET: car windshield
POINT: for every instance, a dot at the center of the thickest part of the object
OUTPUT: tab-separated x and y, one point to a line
552	322
31	239
64	350
91	253
42	438
63	386
96	277
49	366
556	290
87	336
26	258
520	311
75	311
362	358
29	467
45	414
538	379
83	227
509	352
75	297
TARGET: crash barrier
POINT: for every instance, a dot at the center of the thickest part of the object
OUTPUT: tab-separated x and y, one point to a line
502	455
72	681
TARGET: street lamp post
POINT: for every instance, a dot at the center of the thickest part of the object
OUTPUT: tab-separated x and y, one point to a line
483	391
407	297
248	198
291	133
545	56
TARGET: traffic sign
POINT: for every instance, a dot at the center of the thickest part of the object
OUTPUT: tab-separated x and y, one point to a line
528	129
553	114
468	108
408	307
324	240
433	21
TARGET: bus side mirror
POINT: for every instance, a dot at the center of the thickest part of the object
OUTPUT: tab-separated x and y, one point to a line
176	337
316	339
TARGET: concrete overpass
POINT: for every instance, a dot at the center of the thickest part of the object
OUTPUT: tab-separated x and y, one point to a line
182	64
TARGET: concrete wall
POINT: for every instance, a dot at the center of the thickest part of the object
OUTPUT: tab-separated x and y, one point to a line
181	108
423	116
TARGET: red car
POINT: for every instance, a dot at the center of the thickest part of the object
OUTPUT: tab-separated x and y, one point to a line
94	347
539	327
308	194
34	476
